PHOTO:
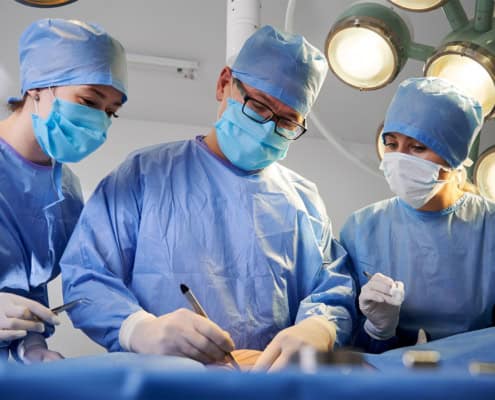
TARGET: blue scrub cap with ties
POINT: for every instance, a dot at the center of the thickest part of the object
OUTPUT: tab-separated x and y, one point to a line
437	114
283	65
59	52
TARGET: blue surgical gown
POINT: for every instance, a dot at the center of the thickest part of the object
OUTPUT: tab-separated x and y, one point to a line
256	249
446	260
39	207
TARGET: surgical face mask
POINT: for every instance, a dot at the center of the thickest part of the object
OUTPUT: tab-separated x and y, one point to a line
71	131
413	179
247	144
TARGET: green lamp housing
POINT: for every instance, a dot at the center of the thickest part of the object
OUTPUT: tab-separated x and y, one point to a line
466	57
368	46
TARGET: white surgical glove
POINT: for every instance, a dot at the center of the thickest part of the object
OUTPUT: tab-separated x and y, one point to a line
33	349
180	333
315	331
19	315
380	302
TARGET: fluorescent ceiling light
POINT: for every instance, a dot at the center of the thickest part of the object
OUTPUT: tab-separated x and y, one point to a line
186	67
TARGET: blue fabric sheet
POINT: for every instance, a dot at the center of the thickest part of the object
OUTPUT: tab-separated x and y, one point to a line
131	376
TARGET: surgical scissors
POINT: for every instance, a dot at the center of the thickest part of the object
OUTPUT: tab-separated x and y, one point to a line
64	307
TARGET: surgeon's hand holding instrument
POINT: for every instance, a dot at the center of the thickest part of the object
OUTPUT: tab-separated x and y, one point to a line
380	302
19	315
315	331
199	310
181	332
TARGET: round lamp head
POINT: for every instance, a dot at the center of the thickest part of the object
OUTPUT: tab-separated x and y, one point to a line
45	3
380	147
367	46
418	5
484	173
468	66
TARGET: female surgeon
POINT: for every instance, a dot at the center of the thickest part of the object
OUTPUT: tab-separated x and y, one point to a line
73	78
424	259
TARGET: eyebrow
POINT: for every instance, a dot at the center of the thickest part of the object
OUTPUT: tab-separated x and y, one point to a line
102	95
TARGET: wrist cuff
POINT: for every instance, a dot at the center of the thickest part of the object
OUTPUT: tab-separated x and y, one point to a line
372	331
128	326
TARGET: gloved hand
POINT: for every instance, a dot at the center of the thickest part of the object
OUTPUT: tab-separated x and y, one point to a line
380	302
33	349
18	314
181	333
315	331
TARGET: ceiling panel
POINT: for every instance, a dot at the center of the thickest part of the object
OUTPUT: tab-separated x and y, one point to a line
195	30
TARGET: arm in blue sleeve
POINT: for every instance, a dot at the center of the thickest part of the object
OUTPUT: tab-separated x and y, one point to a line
14	273
98	261
361	339
332	294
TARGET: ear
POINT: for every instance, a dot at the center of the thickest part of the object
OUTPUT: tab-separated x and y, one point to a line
34	93
223	83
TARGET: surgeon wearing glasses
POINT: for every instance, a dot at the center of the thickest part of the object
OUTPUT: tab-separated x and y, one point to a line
424	259
250	237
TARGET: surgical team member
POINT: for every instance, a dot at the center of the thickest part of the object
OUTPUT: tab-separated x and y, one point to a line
73	78
218	213
434	238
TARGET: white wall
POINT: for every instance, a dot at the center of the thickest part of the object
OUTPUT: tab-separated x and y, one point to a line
343	186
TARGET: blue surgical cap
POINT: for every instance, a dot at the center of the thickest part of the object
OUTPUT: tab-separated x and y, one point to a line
58	52
283	65
437	114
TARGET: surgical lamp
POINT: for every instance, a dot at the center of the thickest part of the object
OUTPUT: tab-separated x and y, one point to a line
380	147
484	173
466	56
418	5
45	3
369	44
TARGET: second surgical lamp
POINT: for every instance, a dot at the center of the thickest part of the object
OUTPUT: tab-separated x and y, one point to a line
370	43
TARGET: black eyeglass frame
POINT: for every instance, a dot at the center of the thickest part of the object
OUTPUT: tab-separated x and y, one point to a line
274	117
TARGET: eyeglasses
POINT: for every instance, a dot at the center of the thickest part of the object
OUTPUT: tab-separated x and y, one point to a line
261	113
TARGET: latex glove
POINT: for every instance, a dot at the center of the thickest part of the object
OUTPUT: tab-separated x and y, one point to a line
315	331
33	349
18	316
181	333
380	302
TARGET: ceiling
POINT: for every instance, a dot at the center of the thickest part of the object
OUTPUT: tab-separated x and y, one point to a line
195	30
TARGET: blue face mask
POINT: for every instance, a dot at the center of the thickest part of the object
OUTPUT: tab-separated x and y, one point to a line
247	144
71	131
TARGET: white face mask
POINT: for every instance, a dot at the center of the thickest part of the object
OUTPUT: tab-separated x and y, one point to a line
413	179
